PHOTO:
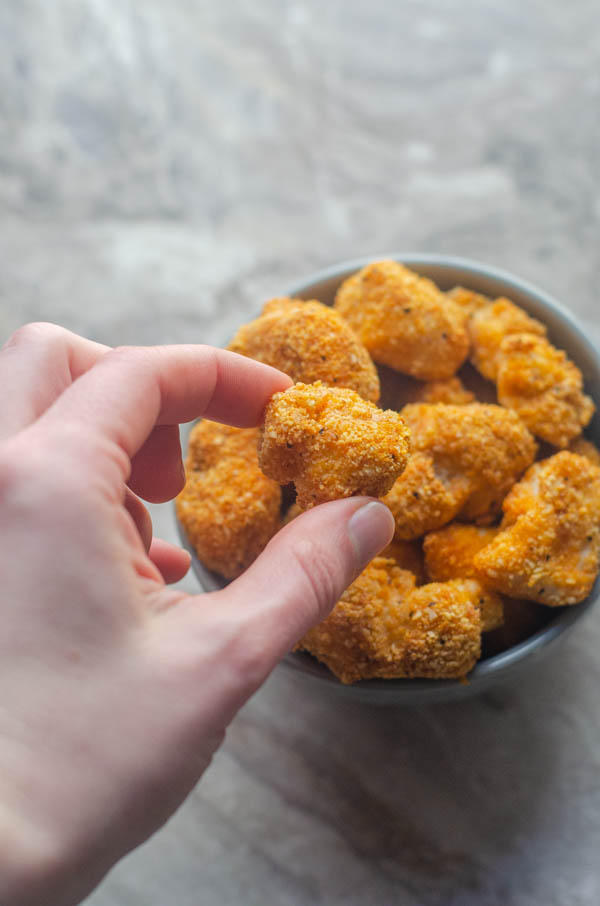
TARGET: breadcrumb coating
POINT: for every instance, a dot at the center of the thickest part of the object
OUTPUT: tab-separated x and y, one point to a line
385	627
549	543
421	500
210	442
309	342
451	391
228	508
544	387
465	459
404	320
449	554
488	327
468	300
331	443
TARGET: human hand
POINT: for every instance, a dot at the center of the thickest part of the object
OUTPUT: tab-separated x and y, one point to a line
114	689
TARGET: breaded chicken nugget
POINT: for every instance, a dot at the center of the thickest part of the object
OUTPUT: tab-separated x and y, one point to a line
451	391
422	499
331	443
467	299
465	459
228	508
544	387
449	554
385	627
549	543
489	325
210	442
309	342
404	320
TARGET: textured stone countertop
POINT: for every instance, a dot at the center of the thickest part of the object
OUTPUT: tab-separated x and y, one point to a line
165	168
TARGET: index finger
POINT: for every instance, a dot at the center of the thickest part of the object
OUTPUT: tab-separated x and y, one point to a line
132	389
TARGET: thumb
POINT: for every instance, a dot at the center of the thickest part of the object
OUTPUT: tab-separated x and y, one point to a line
303	571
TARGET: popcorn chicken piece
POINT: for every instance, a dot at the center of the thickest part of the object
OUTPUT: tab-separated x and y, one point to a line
309	342
468	300
544	387
228	508
210	442
404	320
489	326
464	461
549	543
449	554
451	391
331	443
385	627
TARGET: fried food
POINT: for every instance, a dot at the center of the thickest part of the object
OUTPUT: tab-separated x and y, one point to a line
544	387
404	320
228	508
449	554
488	327
549	544
331	443
210	442
451	391
309	342
468	300
465	459
385	627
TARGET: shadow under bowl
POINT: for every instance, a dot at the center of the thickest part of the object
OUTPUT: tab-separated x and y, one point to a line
565	333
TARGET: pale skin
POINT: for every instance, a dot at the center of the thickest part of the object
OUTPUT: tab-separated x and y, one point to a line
115	690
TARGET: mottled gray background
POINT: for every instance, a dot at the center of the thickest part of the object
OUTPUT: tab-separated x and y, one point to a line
164	168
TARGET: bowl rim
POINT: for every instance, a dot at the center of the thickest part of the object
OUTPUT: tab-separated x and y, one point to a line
486	672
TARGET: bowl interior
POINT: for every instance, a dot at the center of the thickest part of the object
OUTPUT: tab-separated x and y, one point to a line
565	333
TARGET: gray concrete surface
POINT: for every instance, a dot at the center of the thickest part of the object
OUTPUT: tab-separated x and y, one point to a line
164	168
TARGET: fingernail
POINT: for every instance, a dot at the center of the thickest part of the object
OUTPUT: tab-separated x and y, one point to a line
370	529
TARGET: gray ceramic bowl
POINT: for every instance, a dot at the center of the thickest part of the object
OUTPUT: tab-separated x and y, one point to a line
564	333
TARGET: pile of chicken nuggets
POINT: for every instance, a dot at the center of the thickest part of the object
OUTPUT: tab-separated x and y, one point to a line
480	457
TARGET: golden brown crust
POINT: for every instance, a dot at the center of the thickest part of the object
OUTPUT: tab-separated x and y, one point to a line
467	299
228	508
449	554
465	459
549	543
210	442
309	342
544	387
451	391
420	500
488	327
404	320
385	627
331	443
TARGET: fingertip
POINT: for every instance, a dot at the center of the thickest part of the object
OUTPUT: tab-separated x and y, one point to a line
171	561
